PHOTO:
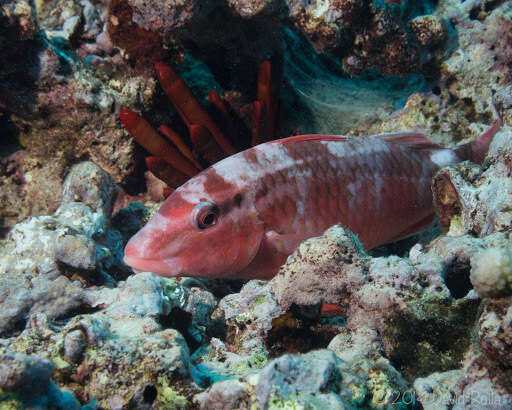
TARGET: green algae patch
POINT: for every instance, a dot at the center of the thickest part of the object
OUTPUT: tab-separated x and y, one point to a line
381	388
60	364
456	226
168	397
244	318
430	336
10	401
259	300
384	392
253	362
276	402
359	394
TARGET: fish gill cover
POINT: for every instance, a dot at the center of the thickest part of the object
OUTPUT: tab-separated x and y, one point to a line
85	88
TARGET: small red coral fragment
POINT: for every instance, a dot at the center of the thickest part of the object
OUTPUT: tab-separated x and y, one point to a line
226	119
187	105
129	119
176	139
257	121
167	173
266	99
146	136
217	102
206	144
331	310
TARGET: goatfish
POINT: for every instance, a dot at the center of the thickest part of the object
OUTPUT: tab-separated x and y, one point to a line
243	216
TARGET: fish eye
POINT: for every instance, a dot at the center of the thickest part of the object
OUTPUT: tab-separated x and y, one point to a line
205	215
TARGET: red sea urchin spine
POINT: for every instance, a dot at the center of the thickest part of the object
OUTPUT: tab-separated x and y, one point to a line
206	144
176	139
264	109
129	119
257	122
265	96
167	173
227	123
217	102
187	105
146	136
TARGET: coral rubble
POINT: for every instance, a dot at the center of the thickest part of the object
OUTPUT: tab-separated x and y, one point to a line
416	325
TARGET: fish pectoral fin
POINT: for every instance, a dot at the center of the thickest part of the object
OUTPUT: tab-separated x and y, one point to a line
284	244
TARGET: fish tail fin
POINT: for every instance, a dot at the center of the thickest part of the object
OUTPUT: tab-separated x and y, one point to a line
476	151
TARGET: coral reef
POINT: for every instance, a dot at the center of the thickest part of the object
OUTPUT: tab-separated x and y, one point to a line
483	210
29	377
50	310
314	380
415	325
58	105
471	80
491	274
84	60
44	255
174	161
490	51
405	319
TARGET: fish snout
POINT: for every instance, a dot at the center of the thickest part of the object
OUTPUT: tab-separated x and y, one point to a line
139	258
131	250
133	255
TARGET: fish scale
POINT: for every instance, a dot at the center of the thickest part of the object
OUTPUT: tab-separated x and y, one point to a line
366	199
243	216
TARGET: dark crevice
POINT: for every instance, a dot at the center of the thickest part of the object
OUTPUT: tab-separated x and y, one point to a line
402	247
77	311
181	321
149	394
298	340
457	278
85	276
16	327
475	11
483	9
223	287
9	137
298	332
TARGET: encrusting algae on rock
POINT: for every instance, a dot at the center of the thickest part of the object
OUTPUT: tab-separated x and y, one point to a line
407	325
491	272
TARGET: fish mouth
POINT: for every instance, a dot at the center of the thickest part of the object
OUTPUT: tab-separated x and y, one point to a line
149	265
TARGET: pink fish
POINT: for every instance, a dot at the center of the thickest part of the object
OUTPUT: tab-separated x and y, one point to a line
243	216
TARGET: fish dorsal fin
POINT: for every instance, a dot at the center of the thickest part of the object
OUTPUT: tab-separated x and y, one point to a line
312	137
414	140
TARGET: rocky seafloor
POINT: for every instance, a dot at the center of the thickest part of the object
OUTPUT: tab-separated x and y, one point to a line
423	324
